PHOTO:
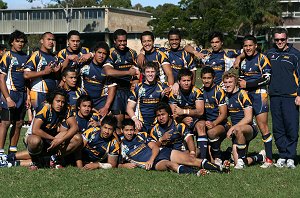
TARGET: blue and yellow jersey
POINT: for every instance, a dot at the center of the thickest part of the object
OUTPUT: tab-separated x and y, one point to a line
98	147
179	59
123	61
179	132
285	72
213	97
161	59
186	100
12	65
74	94
236	103
253	69
137	149
146	98
62	55
220	61
37	62
51	119
94	80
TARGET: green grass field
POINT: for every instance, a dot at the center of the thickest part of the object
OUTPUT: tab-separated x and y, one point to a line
72	182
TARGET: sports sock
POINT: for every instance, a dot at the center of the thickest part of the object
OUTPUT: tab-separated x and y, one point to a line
210	166
12	149
257	158
267	139
202	145
11	157
186	170
215	147
241	150
1	151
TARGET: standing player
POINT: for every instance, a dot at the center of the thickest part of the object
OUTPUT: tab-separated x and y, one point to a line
120	65
2	50
188	107
14	94
95	81
219	59
255	73
145	97
74	54
215	116
41	69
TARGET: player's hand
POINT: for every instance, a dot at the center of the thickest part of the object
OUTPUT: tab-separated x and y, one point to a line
149	165
138	124
103	111
91	166
188	120
178	111
165	137
93	123
175	88
55	142
133	71
193	154
73	58
28	103
56	68
10	103
48	69
85	57
199	55
129	165
242	83
230	132
166	91
209	124
236	63
297	100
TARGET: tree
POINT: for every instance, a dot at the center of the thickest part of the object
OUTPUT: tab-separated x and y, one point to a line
116	3
3	5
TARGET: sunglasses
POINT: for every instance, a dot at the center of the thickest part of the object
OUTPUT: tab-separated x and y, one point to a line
279	39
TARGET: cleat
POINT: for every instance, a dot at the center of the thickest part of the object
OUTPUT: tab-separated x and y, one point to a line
54	163
5	164
280	163
226	167
218	161
240	164
202	172
267	163
290	164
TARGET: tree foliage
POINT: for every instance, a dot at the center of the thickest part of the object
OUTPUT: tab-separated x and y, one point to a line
116	3
3	5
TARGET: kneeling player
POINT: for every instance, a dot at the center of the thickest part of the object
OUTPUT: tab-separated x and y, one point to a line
137	150
101	145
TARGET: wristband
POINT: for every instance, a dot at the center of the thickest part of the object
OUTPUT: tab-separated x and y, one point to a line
92	54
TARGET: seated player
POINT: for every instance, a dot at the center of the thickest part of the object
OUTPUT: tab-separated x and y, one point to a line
95	82
69	77
188	107
167	133
215	116
145	97
255	74
138	150
243	129
101	145
44	138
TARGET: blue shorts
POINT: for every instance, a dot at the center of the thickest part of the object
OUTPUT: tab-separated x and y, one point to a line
120	102
164	154
259	102
99	102
37	98
254	134
19	97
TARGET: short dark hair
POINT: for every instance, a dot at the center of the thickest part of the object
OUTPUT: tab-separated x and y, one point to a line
58	91
174	31
184	72
110	120
216	34
208	70
280	31
147	33
102	45
73	32
17	35
126	122
2	47
83	98
119	32
250	37
164	106
150	65
67	70
45	33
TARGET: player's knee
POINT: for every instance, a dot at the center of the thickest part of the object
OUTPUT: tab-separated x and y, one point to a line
200	128
5	124
77	139
34	144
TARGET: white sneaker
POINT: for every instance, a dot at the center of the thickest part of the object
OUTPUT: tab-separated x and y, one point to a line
280	163
218	161
240	164
267	162
290	164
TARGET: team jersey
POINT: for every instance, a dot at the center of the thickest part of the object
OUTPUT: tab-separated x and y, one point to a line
12	65
220	61
62	55
122	60
37	62
213	97
186	100
179	133
179	59
98	147
136	150
161	59
146	98
253	69
74	94
236	103
94	80
51	119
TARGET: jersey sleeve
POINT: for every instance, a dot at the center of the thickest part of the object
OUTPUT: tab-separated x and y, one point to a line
199	94
220	96
43	113
31	64
244	100
4	63
173	98
61	56
153	134
114	148
183	130
134	94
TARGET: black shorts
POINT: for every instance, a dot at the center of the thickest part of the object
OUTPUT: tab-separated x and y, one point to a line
120	102
13	114
164	154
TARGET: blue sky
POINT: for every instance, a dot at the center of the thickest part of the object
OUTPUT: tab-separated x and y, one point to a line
23	4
